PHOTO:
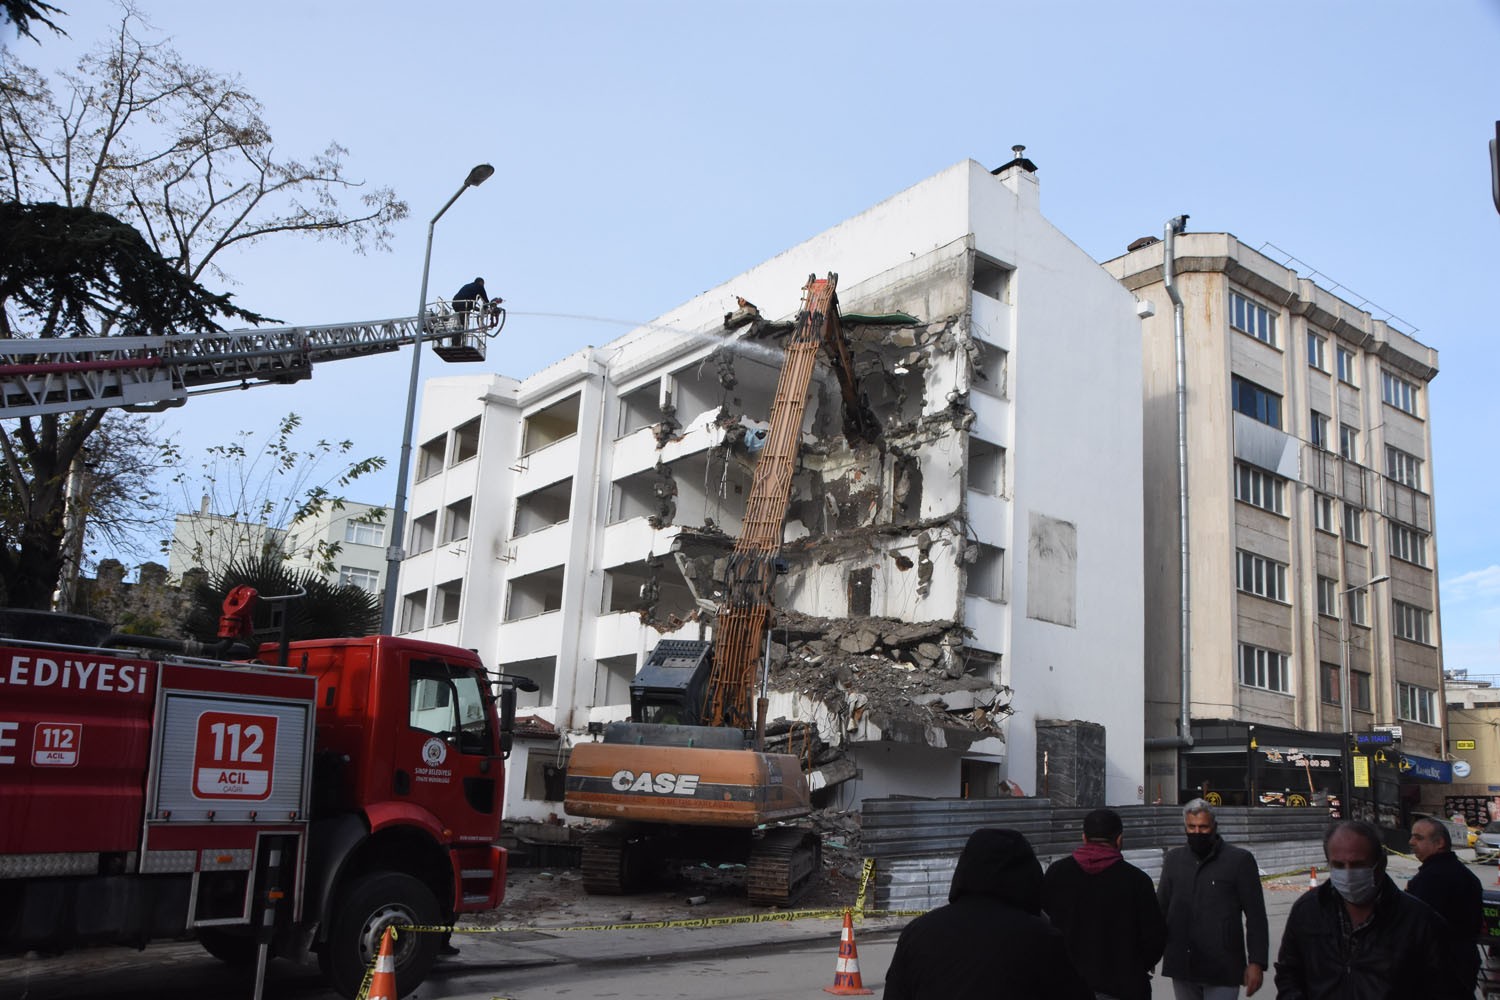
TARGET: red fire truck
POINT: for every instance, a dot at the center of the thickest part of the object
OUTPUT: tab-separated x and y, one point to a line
291	798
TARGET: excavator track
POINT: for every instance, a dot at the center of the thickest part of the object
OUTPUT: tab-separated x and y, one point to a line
615	863
782	865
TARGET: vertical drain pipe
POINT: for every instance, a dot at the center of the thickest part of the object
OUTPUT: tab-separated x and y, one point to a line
1184	611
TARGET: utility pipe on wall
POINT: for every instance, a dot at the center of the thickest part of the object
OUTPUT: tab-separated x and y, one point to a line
1184	737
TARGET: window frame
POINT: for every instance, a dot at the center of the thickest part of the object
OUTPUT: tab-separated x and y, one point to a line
1253	484
1318	424
1255	401
1265	668
1398	392
1328	597
1403	467
1348	442
1323	516
1330	683
1317	351
1354	524
1260	576
1415	703
1411	623
1246	315
1407	543
1347	363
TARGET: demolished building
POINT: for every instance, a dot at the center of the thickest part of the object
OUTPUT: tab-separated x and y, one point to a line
961	612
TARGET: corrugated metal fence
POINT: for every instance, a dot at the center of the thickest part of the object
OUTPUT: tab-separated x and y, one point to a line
916	842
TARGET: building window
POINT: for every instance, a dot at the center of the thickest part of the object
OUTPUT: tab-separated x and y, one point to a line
1319	430
1408	544
1264	668
1346	365
1317	351
466	441
430	457
1262	577
1357	605
1323	513
363	532
414	611
1398	392
450	597
456	520
1354	524
1359	683
991	370
1403	467
1259	488
1412	623
1328	597
1252	318
423	531
986	468
986	575
1256	402
1416	704
367	580
1348	443
1332	677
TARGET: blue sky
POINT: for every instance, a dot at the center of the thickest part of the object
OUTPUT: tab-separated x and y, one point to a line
645	152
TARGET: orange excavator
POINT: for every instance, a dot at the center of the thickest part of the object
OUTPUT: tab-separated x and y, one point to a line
687	779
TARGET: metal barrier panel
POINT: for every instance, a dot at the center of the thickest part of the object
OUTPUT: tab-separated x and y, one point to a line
916	842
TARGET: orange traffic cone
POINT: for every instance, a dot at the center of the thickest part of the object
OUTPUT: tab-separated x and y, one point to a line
383	982
846	981
1312	878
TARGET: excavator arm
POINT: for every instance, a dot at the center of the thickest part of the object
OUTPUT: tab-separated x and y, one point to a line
752	571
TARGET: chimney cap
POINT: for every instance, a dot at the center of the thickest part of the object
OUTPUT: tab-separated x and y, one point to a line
1019	160
1144	241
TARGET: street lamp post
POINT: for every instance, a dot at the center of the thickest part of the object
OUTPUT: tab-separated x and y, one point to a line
393	552
1347	694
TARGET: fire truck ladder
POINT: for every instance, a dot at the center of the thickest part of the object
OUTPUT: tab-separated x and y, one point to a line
65	374
752	566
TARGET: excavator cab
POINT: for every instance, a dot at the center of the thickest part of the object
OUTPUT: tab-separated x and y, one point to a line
671	686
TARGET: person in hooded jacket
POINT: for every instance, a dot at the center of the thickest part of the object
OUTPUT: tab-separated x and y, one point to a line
1218	938
1358	937
991	940
1106	909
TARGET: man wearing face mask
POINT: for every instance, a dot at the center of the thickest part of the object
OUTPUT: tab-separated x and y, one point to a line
1210	893
1357	936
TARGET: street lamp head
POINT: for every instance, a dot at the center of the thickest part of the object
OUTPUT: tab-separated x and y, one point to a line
479	175
1378	579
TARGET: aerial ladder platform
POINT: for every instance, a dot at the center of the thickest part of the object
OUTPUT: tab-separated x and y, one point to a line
49	375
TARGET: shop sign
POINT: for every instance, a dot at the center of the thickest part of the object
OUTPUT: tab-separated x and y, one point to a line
1414	768
1361	772
1379	739
1464	744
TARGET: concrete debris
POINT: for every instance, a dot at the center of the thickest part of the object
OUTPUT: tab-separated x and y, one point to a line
857	512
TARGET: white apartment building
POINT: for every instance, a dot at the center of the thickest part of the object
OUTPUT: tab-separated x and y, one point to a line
212	541
962	611
1313	597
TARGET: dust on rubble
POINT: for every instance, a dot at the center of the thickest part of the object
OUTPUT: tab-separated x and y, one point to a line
554	897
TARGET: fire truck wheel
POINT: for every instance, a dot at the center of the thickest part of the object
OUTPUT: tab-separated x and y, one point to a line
373	903
228	947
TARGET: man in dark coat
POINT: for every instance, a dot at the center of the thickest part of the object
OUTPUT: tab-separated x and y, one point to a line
1358	937
466	299
990	940
1446	884
1217	936
1106	909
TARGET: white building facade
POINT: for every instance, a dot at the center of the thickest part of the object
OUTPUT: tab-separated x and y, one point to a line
963	605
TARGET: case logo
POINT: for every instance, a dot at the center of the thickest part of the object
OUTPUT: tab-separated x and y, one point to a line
662	783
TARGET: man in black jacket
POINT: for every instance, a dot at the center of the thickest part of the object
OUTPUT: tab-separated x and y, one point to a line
1216	912
1446	884
990	940
467	299
1106	909
1361	938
